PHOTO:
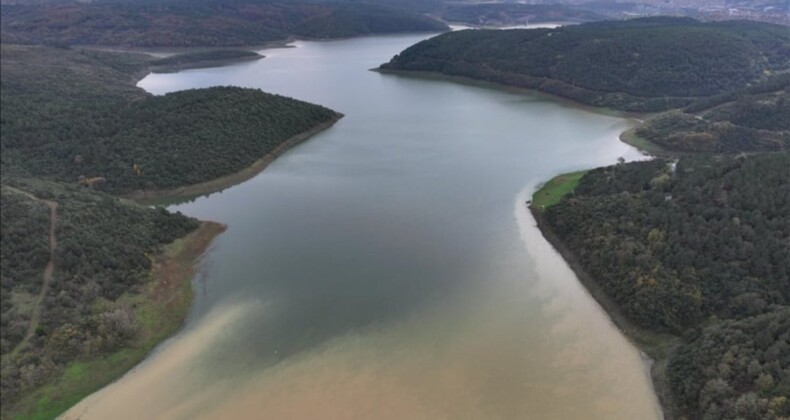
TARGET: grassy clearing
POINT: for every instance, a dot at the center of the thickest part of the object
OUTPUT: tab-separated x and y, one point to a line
160	310
551	192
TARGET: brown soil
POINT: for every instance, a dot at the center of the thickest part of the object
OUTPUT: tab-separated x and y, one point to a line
172	271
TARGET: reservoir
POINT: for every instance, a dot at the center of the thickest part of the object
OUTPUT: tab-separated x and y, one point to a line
388	268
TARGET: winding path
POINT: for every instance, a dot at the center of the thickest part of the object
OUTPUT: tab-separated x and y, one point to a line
35	317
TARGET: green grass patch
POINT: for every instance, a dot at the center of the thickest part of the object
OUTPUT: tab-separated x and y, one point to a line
551	192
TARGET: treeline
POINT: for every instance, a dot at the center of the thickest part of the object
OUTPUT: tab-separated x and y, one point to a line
700	248
103	253
202	23
645	65
756	118
70	117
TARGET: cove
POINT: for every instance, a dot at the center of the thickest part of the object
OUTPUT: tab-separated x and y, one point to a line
388	268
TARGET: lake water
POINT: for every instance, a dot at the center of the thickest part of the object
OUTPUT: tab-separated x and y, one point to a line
388	268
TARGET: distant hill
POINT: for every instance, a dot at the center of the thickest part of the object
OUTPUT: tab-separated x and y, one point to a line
201	23
348	21
496	14
642	65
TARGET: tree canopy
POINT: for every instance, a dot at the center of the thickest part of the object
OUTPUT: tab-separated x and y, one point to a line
699	248
647	64
69	115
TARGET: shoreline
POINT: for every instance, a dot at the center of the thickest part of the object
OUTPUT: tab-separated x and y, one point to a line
162	52
218	184
202	64
464	80
161	306
646	146
165	301
654	347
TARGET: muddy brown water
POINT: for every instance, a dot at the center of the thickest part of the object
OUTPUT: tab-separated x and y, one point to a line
388	268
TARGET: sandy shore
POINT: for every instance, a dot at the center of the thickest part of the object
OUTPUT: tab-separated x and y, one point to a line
654	347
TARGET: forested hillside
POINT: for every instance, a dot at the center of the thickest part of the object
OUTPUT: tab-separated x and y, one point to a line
73	116
354	20
756	118
82	307
201	23
699	248
644	65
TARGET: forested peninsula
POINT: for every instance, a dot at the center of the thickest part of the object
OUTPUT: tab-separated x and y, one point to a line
639	65
91	282
722	86
76	116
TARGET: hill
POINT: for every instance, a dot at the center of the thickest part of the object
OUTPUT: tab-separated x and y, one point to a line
640	65
697	248
91	283
200	23
80	289
756	118
74	116
353	20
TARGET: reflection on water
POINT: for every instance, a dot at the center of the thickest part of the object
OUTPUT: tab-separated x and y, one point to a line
388	268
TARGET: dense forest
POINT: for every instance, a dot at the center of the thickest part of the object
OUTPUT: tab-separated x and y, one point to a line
699	248
202	23
643	65
736	369
756	118
103	253
72	116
